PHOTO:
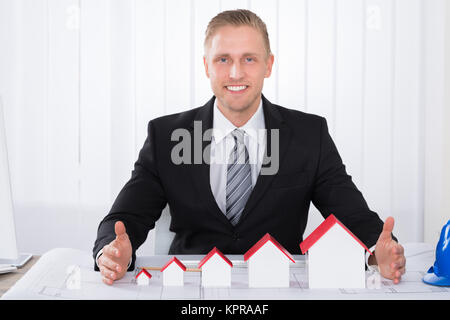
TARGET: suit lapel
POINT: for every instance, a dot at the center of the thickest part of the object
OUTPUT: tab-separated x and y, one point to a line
273	121
200	171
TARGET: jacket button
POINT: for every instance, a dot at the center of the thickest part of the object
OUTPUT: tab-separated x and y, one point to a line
235	236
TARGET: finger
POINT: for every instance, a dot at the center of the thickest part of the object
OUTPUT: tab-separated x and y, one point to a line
106	272
398	275
397	265
388	226
111	250
398	258
119	229
400	272
107	281
401	261
398	249
109	263
108	275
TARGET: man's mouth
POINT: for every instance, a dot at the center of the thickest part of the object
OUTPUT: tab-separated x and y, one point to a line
236	88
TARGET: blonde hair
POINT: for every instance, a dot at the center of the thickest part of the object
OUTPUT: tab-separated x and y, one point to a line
238	17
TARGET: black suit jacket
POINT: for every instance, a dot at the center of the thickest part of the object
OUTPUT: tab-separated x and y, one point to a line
310	169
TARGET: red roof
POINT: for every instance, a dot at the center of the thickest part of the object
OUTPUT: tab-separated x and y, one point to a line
322	229
144	272
178	262
261	242
210	254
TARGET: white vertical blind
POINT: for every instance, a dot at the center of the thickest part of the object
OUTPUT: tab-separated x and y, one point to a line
436	83
81	79
406	196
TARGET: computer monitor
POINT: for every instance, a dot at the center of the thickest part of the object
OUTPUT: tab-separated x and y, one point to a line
8	245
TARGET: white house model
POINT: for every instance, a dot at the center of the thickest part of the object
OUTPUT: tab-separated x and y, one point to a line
336	257
216	269
173	273
143	278
268	264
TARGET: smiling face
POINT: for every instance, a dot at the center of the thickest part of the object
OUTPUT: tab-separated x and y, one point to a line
236	62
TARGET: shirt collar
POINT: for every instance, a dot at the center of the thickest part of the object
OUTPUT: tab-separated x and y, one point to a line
222	126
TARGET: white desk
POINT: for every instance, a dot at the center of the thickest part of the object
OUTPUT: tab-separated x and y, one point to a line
47	280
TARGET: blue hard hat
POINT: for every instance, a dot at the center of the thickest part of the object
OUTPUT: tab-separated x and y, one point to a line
439	273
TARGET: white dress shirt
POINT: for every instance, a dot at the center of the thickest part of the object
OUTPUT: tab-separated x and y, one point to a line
222	144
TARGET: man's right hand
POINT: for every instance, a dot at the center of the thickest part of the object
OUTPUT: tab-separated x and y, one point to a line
113	263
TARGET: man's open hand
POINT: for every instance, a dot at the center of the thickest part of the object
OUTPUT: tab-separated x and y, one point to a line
116	255
389	255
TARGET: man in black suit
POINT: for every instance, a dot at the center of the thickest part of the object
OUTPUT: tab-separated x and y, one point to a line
256	172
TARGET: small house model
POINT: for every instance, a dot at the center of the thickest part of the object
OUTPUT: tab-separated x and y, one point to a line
173	273
336	257
143	278
216	269
268	264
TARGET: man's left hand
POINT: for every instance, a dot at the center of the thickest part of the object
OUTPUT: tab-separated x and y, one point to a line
389	255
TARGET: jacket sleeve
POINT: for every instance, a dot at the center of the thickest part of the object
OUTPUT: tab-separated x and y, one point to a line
335	193
139	204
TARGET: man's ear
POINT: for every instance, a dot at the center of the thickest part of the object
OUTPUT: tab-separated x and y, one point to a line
269	63
205	63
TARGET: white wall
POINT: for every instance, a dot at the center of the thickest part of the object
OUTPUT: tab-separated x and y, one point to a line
437	118
80	80
445	213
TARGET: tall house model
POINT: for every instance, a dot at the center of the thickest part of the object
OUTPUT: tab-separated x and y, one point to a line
268	264
336	257
216	269
173	273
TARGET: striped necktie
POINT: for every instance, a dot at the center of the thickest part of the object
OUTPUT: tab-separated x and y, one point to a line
239	180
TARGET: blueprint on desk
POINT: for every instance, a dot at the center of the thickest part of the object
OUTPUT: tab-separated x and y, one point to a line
48	279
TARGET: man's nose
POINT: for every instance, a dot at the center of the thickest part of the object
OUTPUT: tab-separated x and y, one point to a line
236	71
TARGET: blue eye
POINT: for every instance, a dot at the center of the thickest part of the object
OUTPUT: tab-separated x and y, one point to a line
249	59
223	59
